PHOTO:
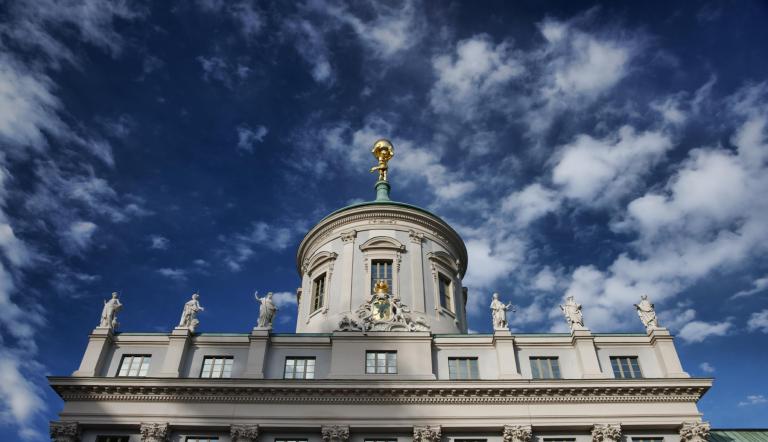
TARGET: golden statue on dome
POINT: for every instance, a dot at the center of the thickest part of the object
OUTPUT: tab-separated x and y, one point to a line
382	151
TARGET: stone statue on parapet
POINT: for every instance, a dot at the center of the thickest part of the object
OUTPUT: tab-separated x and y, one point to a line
109	313
267	310
572	312
189	314
499	313
647	313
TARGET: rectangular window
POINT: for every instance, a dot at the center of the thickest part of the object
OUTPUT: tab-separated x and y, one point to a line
545	368
463	368
113	438
217	367
381	362
381	270
318	293
299	368
445	292
201	439
626	367
134	365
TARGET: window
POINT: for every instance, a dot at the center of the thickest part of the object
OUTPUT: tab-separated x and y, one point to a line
647	439
559	439
318	293
380	440
381	270
445	292
470	440
201	439
290	440
626	367
134	365
381	362
545	368
299	368
113	438
463	368
217	367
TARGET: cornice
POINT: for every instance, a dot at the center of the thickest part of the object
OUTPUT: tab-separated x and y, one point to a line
378	392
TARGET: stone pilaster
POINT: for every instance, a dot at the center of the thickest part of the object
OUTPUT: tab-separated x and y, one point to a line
586	353
244	432
417	272
694	432
431	433
335	433
504	343
99	344
178	343
517	433
606	433
348	259
64	431
661	340
257	354
154	432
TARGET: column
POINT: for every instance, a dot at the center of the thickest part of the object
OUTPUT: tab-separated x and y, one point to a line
244	432
694	432
504	343
178	342
154	432
335	433
586	353
664	347
517	433
99	343
427	433
606	433
348	258
417	271
64	431
257	353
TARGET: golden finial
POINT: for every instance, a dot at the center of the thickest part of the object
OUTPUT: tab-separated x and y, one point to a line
382	151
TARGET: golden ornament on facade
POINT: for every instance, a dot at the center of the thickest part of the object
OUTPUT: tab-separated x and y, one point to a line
383	152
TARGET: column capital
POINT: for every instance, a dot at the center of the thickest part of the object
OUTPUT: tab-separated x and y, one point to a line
517	433
244	432
347	237
427	433
416	237
154	432
335	433
694	432
64	431
606	433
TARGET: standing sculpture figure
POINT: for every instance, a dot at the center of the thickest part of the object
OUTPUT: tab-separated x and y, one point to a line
109	313
266	311
383	151
572	312
647	313
499	313
189	314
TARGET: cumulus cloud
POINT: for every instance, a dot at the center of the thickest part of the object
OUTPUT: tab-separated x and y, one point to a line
699	331
531	203
247	138
77	238
239	248
706	367
758	321
158	242
283	299
758	285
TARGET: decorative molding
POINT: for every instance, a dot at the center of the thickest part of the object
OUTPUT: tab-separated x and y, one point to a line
429	394
445	259
517	433
319	259
347	237
244	432
64	431
335	433
694	432
154	432
416	237
427	433
382	243
606	433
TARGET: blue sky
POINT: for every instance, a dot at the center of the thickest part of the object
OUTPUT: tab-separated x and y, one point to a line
597	150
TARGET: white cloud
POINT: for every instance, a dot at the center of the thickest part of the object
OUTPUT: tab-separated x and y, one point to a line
530	204
698	331
239	248
545	280
758	285
77	238
247	138
172	273
20	399
758	321
754	399
283	299
706	367
158	242
310	44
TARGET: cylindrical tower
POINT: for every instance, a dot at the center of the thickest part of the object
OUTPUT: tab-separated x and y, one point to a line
418	258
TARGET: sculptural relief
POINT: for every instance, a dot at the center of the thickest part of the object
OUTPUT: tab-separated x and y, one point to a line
335	433
647	313
383	312
267	310
109	313
427	433
694	432
499	313
244	432
154	432
606	433
64	431
517	433
189	314
572	312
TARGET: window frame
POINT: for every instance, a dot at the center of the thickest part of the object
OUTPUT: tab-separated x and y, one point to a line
550	366
390	281
213	358
443	264
320	263
381	248
314	306
376	359
297	358
469	368
145	357
629	358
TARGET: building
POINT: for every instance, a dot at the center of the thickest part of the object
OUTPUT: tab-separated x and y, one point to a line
381	353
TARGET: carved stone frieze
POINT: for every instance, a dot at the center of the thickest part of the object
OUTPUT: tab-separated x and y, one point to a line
517	433
64	431
335	433
606	433
694	432
244	432
154	432
427	433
